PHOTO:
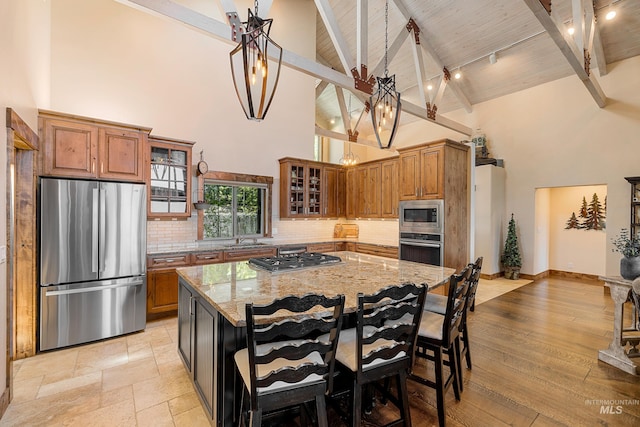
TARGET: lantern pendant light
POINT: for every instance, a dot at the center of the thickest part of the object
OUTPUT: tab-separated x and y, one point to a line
255	66
385	101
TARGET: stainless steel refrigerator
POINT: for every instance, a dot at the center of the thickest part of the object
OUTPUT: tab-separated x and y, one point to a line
92	260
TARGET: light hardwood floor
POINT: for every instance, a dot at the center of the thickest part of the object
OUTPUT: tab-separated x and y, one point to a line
535	363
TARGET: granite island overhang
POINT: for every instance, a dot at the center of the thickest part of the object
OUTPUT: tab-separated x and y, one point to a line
211	310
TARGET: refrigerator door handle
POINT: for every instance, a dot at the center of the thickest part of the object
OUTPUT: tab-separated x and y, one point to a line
94	233
93	289
103	227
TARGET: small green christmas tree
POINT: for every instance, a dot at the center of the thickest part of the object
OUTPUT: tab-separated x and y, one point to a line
511	255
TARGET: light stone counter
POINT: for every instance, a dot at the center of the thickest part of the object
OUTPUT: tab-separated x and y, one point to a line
228	287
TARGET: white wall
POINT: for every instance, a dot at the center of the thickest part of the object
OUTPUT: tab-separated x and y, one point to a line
24	43
490	230
542	206
582	251
115	62
555	135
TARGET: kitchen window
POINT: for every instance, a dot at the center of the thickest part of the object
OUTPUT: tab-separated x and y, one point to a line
239	206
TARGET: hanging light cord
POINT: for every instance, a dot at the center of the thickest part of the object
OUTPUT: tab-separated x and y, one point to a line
386	36
255	6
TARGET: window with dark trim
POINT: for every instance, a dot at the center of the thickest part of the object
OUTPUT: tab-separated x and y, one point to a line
239	206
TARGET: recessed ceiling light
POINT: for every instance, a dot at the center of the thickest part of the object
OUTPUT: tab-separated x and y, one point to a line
429	86
457	75
610	15
571	30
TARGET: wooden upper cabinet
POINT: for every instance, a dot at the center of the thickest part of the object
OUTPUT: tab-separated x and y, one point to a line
169	178
82	147
351	193
121	154
432	173
422	169
342	192
389	189
330	191
301	189
409	175
373	190
69	148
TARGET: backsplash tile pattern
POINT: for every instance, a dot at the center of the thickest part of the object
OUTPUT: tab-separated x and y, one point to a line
182	235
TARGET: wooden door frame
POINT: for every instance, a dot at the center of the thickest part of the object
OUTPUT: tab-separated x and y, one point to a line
22	148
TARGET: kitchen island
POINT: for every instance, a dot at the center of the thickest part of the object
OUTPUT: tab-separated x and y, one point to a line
211	311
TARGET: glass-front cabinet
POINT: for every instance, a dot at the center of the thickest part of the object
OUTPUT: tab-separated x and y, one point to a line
169	178
635	206
300	189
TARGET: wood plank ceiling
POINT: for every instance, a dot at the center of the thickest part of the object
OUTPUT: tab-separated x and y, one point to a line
530	48
527	37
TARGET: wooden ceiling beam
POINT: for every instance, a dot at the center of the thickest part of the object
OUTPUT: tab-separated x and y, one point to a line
457	91
339	42
222	32
597	49
321	87
346	117
344	137
569	50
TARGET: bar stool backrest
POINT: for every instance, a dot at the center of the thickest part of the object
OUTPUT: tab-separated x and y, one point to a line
456	305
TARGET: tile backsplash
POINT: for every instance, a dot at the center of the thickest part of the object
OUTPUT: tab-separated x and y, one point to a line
182	235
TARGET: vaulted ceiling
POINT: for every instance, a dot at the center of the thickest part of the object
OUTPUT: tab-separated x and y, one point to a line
531	47
527	42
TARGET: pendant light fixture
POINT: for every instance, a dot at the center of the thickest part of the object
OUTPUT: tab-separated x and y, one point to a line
385	101
349	159
255	65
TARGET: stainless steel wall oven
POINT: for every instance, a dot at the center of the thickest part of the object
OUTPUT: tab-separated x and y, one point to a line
421	231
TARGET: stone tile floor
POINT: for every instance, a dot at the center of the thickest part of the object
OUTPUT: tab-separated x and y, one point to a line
135	380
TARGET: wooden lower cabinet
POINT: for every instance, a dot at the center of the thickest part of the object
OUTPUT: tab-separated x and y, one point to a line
385	251
321	247
162	292
245	254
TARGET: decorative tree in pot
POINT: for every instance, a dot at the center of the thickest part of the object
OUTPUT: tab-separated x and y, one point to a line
511	259
629	247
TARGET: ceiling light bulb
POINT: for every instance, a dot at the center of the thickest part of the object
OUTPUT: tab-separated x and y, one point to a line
457	75
571	30
610	15
429	86
332	121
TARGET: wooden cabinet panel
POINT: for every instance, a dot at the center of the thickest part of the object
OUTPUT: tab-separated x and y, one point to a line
330	191
82	147
245	254
389	189
159	261
360	188
342	192
432	173
340	246
212	257
373	191
409	175
69	148
385	251
321	247
351	193
162	292
121	154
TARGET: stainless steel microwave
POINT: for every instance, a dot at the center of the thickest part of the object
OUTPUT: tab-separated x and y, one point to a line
422	216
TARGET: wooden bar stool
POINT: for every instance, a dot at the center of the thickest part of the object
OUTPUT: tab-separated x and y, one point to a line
298	367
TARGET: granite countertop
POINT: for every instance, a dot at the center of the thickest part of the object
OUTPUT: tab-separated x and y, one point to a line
230	286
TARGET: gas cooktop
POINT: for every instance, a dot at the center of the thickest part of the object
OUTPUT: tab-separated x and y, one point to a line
294	261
